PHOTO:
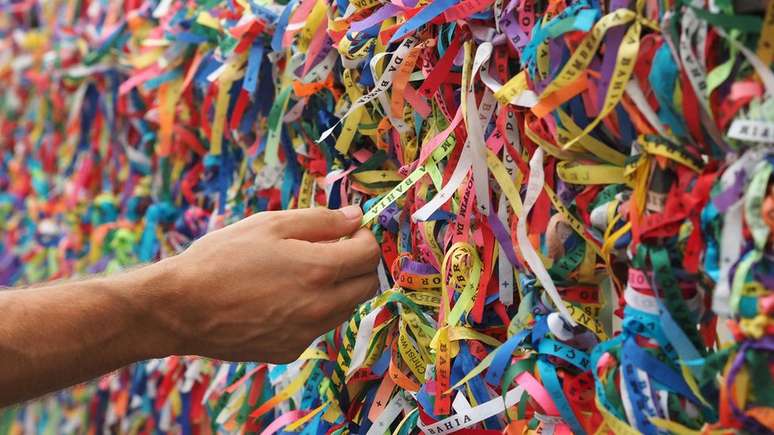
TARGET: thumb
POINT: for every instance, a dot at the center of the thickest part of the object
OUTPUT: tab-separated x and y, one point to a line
318	224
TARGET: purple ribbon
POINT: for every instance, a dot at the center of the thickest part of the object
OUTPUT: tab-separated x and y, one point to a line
417	268
766	344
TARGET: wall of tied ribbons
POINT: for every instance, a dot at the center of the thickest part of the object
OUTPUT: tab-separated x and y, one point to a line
573	201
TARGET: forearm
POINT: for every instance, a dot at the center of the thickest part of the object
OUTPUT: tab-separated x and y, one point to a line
64	333
260	289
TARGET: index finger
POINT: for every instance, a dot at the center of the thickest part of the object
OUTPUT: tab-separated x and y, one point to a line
355	256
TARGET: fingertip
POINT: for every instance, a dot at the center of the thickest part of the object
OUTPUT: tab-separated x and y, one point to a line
351	213
371	252
369	241
364	233
358	255
350	216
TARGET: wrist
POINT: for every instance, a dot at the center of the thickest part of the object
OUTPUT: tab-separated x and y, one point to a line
152	293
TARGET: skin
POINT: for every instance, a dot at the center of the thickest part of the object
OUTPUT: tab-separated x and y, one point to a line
260	289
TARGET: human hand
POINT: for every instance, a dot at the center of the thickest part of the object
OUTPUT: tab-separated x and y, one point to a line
263	288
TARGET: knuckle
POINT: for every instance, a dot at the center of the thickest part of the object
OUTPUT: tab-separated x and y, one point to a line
274	222
374	255
318	275
331	217
321	215
338	265
318	312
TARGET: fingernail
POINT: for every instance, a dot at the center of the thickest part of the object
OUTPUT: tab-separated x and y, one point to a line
351	212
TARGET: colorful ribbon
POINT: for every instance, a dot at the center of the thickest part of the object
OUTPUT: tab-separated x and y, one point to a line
573	201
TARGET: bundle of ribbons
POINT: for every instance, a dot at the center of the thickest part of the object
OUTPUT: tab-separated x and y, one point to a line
573	201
